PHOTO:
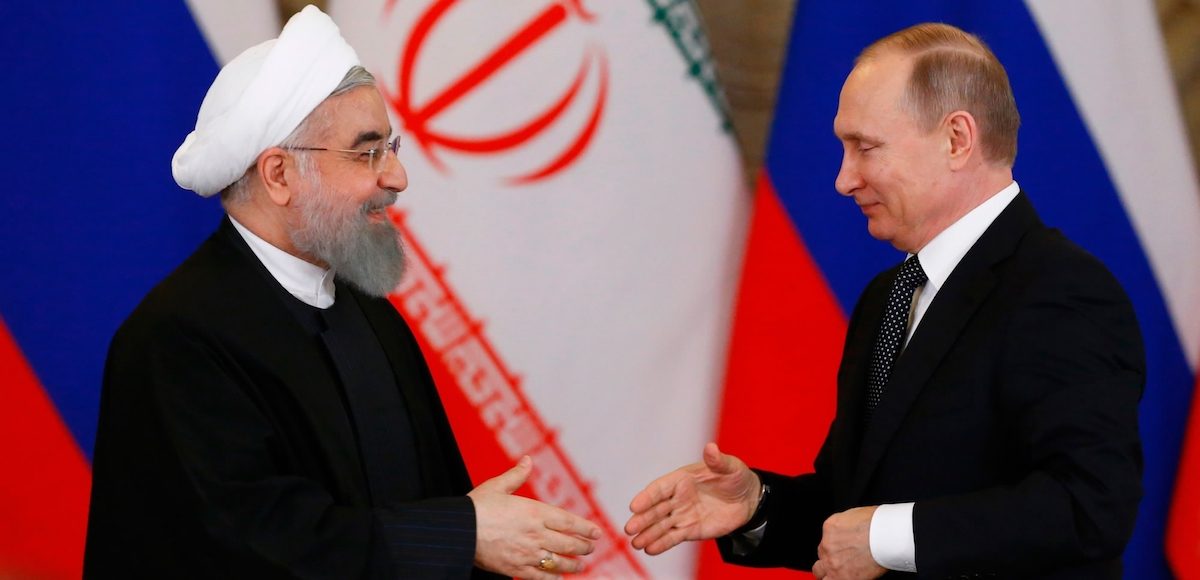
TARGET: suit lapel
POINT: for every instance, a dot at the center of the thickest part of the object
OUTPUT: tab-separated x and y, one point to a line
852	381
968	286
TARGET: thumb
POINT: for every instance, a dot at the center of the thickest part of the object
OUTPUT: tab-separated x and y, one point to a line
716	461
514	478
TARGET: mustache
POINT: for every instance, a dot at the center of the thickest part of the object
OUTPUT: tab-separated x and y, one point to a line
379	202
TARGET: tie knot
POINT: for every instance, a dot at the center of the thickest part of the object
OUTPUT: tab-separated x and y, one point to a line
911	273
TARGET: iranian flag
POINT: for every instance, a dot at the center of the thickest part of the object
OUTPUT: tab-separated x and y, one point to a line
574	222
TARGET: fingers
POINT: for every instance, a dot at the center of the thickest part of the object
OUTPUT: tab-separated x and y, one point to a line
513	533
652	514
652	534
659	490
672	538
664	487
567	565
532	573
564	544
566	522
666	524
562	565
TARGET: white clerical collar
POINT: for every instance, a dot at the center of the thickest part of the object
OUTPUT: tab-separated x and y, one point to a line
309	283
941	255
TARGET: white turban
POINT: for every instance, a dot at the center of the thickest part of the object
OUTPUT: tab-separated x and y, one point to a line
259	98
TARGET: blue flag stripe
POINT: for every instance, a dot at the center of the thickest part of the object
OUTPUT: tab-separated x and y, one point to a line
99	97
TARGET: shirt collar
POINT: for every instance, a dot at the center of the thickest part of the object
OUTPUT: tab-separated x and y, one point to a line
941	255
309	283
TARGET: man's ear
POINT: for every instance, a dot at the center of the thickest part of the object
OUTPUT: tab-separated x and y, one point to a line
963	135
273	165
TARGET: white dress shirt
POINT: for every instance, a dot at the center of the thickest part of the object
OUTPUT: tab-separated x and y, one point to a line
892	542
309	283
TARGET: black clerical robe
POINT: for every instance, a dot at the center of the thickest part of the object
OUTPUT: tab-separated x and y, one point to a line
233	441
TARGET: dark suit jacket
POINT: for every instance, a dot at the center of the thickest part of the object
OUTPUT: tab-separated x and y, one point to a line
225	447
1010	419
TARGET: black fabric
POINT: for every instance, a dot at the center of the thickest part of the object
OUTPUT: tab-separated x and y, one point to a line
226	447
379	414
1010	419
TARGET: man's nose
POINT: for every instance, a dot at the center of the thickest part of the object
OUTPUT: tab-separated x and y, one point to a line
393	177
848	178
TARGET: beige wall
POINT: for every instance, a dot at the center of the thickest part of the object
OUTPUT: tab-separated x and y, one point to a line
1180	21
748	39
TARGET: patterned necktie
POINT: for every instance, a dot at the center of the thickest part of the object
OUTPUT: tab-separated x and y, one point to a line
893	330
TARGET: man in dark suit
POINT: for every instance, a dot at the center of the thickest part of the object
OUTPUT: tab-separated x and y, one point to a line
265	412
986	421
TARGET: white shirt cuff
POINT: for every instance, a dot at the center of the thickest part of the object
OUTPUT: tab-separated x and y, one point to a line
892	542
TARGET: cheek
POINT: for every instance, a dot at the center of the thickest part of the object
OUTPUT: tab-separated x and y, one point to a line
883	182
354	193
881	172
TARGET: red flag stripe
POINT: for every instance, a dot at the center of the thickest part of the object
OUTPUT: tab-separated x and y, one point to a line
1183	529
44	492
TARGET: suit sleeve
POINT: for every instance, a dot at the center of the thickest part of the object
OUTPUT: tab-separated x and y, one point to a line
798	506
220	435
795	510
1071	374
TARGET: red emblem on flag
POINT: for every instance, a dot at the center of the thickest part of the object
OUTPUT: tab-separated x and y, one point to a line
572	114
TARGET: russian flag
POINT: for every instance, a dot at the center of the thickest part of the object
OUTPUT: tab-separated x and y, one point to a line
97	96
1102	155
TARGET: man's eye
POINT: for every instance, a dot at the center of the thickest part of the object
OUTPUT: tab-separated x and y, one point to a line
367	155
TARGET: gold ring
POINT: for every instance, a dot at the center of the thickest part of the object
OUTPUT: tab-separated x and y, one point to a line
547	564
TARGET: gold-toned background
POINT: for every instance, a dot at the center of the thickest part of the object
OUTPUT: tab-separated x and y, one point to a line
748	39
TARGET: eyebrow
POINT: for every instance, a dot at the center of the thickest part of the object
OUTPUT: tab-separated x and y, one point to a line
366	137
856	136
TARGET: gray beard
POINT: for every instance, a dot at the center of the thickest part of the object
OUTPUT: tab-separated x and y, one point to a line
367	255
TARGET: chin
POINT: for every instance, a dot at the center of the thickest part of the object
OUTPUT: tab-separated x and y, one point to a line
879	232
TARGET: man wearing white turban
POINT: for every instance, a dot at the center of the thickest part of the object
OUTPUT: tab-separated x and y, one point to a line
265	411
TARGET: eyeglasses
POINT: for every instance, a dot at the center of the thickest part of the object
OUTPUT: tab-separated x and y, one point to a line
374	157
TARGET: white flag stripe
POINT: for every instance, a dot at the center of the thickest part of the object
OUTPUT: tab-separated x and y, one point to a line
1114	65
231	26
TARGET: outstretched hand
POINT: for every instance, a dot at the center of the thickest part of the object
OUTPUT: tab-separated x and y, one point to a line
514	534
695	502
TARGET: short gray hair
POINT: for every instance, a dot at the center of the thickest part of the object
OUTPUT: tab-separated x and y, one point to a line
955	70
316	123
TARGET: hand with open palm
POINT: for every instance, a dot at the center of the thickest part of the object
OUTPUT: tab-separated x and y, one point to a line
700	501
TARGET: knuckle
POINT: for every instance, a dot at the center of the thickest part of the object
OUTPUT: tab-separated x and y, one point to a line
569	565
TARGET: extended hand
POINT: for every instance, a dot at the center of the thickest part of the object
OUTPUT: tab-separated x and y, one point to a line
695	502
845	549
514	534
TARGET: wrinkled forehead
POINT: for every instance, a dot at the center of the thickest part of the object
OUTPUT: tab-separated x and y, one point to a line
359	115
